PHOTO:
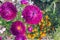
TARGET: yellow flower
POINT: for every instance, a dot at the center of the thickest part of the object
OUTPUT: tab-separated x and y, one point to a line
33	36
35	29
43	25
40	32
46	16
43	34
42	20
49	23
36	33
29	36
44	29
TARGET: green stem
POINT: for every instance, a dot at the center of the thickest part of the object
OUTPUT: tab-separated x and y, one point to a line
47	9
54	8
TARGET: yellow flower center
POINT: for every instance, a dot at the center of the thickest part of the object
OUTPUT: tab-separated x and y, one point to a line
46	16
19	28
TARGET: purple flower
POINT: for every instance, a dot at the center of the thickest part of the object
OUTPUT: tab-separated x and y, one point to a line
30	29
8	11
20	37
17	28
0	11
24	1
32	14
0	38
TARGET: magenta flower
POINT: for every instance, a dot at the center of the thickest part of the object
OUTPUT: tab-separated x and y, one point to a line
0	11
17	28
8	11
24	1
32	14
0	38
30	29
20	37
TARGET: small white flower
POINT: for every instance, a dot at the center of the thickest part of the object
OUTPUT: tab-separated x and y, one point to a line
2	0
3	29
31	2
1	32
21	16
13	0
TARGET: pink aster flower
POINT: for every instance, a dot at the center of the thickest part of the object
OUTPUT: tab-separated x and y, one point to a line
20	37
24	1
0	38
8	11
17	28
32	14
0	11
30	29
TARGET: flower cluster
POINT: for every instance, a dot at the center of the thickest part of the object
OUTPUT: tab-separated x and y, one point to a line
40	31
31	14
32	25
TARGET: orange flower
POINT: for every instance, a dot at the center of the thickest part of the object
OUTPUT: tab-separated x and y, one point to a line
43	34
29	36
46	16
42	20
48	23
